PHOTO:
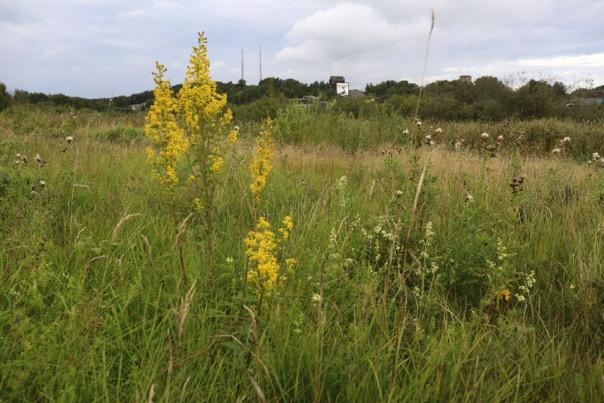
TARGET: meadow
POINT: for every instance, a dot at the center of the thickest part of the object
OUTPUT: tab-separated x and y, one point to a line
422	272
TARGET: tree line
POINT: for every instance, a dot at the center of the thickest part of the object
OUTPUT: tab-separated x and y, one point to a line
487	98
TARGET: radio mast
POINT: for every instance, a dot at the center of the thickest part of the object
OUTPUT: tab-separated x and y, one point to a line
242	71
260	66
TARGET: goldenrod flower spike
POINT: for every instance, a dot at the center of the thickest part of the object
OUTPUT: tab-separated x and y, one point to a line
262	163
163	130
261	247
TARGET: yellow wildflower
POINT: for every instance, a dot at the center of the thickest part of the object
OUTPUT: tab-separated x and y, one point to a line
198	203
288	225
162	128
262	162
205	119
217	164
506	294
291	263
232	137
261	249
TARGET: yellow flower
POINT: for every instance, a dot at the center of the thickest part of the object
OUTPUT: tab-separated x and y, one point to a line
232	137
198	203
217	165
288	225
506	294
262	162
161	127
205	119
261	252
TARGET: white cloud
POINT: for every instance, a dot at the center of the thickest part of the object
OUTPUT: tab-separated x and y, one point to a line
365	40
137	12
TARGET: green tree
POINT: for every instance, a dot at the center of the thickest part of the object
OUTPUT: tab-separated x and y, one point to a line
4	97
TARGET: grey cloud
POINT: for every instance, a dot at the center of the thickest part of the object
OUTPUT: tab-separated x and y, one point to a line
105	47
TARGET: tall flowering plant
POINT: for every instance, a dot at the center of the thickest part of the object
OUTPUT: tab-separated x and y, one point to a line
162	128
206	122
196	124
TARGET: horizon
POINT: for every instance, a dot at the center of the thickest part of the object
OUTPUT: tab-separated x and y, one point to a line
103	49
502	80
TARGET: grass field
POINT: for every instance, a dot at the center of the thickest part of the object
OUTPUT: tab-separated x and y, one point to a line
422	274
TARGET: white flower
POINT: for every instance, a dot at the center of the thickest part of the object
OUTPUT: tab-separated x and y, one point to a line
42	183
429	137
236	128
342	183
316	298
438	131
229	260
406	131
595	156
500	138
556	150
566	140
484	136
520	298
398	193
69	139
418	123
469	197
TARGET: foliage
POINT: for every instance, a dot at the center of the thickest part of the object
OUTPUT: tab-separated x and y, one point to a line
4	97
483	306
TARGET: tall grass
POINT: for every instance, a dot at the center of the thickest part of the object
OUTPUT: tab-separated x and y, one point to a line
92	306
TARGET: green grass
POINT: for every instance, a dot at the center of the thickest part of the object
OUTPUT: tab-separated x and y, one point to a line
93	306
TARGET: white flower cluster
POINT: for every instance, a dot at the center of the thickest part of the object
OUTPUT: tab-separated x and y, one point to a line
525	289
341	186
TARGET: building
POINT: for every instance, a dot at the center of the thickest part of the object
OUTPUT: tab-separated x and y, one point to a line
137	107
334	81
465	78
342	89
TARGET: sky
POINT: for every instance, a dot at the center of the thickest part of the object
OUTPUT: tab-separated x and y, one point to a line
103	48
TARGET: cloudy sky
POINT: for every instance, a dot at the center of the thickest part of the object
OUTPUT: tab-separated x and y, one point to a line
100	48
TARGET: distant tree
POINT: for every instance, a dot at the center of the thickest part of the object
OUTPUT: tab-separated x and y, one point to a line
389	88
535	99
21	97
4	97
